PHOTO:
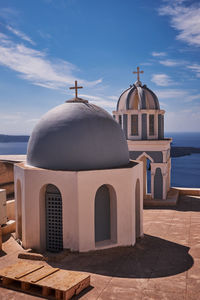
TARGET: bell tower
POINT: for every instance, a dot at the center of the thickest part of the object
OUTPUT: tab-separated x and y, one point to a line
138	113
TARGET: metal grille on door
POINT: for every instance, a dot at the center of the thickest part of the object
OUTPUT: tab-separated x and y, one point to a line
54	222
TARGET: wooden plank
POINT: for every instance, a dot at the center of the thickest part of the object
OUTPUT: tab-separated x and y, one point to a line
32	269
17	269
37	274
38	278
63	279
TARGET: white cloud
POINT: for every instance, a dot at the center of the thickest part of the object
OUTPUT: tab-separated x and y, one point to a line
171	62
158	54
34	66
192	97
17	122
177	94
195	68
113	98
8	14
20	34
171	94
11	117
185	19
161	79
100	100
183	120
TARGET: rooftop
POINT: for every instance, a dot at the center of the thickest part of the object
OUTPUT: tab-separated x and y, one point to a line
164	264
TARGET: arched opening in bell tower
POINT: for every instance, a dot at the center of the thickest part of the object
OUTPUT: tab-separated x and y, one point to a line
146	159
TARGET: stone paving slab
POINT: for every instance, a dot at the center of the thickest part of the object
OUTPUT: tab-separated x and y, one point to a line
163	265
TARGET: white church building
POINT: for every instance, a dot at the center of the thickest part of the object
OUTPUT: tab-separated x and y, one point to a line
139	115
78	189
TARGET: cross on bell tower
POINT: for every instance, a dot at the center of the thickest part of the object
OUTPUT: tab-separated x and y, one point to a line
76	87
138	72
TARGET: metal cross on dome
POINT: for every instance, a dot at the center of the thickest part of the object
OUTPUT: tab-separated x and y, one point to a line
138	72
76	87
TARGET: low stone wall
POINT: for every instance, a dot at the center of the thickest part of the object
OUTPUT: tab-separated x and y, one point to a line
7	178
10	209
188	191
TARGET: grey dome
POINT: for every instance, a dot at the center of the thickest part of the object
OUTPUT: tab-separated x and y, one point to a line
138	97
77	136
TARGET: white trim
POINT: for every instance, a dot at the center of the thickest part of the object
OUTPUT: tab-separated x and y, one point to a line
148	145
146	155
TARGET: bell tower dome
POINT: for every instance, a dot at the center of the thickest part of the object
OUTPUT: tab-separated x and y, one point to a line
139	114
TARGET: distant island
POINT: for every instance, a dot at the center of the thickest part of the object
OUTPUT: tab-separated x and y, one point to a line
175	151
182	151
4	138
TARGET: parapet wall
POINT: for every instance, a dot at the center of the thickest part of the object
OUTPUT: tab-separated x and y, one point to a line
7	178
188	191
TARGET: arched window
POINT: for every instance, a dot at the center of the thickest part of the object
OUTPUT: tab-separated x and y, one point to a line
54	232
134	124
151	124
105	214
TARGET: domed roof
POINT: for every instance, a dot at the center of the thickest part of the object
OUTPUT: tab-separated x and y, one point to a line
77	136
138	97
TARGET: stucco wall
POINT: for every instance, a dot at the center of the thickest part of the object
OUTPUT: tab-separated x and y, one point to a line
78	190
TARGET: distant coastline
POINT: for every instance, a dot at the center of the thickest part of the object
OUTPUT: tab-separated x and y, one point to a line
176	151
4	138
183	151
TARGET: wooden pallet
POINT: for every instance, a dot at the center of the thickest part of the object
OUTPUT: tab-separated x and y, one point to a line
45	281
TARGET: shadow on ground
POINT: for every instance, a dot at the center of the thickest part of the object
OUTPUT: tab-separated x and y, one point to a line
185	203
150	257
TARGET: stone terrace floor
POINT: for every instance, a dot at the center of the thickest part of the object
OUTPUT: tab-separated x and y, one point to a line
165	264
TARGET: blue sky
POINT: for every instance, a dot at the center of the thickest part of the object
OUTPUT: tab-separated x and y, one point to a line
47	44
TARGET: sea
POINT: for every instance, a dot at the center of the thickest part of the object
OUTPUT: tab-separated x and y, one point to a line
185	169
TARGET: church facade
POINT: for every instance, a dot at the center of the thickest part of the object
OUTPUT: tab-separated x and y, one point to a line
78	189
139	115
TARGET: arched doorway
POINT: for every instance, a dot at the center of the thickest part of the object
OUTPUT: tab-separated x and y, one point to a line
19	210
54	232
137	208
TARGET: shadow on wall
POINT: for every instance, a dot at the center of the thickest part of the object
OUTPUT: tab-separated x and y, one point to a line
150	257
